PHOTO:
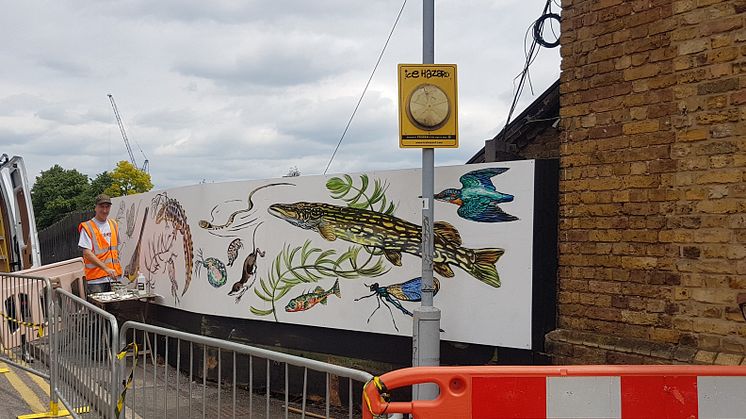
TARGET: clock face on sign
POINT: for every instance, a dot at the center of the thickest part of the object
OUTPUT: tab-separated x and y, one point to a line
428	107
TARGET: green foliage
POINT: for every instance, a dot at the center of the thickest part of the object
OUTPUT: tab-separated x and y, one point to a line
128	180
356	197
56	192
98	185
306	264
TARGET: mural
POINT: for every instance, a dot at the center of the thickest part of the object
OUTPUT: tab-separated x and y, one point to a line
233	225
216	273
408	291
314	251
478	199
233	249
133	267
249	268
306	301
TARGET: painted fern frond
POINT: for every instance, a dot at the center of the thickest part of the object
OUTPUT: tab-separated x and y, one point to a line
344	189
302	265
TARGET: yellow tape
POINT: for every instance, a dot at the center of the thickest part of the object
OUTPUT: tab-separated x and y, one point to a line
127	383
38	326
382	391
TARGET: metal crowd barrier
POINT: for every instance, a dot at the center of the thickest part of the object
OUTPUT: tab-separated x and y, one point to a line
86	357
62	339
25	330
77	347
182	375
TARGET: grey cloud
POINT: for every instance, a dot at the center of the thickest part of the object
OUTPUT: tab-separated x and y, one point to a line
67	67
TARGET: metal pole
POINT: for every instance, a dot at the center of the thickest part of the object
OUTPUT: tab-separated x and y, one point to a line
426	328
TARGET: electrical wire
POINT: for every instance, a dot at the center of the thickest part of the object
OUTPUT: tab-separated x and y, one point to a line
380	56
531	52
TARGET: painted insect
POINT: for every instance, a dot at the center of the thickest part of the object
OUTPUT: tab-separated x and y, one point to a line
306	301
216	272
233	249
171	212
159	253
406	291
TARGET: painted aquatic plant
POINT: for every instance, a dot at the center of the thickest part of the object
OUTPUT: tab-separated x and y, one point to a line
357	196
305	264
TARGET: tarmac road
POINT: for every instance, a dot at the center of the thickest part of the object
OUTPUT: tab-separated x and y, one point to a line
21	393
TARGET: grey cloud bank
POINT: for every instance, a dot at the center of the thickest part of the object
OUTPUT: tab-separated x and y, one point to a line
226	90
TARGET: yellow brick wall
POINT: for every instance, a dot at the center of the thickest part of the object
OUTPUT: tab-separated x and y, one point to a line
652	228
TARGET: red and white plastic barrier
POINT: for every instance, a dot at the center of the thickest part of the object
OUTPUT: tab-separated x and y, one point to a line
567	392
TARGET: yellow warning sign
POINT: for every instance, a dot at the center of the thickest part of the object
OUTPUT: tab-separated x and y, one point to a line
428	111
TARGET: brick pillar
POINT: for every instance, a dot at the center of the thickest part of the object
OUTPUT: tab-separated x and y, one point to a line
652	235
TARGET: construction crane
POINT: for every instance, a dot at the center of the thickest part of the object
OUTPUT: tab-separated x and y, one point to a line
124	137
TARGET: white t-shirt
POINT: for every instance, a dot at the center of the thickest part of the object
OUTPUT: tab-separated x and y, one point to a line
85	242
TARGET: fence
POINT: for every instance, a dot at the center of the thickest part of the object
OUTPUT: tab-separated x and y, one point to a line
168	384
600	391
59	241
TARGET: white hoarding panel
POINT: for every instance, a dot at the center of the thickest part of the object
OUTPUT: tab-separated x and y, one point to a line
342	251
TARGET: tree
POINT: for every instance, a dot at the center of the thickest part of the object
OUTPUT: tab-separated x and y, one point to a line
127	180
56	192
98	185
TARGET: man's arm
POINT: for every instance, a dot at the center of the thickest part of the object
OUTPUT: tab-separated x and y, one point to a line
90	256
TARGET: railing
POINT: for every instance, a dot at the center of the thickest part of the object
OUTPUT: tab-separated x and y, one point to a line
77	347
86	357
24	331
62	339
174	372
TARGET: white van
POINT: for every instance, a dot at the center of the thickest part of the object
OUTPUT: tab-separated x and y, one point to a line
19	243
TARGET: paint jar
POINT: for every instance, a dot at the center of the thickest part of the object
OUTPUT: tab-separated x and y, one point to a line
141	284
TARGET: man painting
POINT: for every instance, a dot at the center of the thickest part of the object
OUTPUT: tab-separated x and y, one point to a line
99	241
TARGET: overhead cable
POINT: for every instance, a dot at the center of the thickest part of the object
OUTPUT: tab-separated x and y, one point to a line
366	86
536	29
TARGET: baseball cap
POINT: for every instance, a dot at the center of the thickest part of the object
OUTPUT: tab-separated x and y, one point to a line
103	199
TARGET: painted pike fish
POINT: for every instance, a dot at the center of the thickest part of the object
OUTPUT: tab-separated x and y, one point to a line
305	301
393	236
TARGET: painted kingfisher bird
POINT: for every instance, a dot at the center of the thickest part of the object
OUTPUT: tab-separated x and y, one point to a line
478	199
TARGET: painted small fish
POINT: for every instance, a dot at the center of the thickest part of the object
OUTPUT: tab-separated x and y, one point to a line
217	275
478	198
393	236
306	301
233	251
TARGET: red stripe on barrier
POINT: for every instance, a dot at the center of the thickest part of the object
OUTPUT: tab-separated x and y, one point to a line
659	397
509	397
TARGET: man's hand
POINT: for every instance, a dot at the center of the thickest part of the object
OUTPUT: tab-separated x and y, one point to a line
111	272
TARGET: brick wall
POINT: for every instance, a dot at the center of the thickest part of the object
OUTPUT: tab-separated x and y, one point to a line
652	229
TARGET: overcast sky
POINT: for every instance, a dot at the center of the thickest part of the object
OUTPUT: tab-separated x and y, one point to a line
226	90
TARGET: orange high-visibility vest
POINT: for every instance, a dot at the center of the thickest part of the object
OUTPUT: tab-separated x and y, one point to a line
108	253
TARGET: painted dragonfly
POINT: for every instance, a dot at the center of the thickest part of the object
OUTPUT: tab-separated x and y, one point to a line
406	291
